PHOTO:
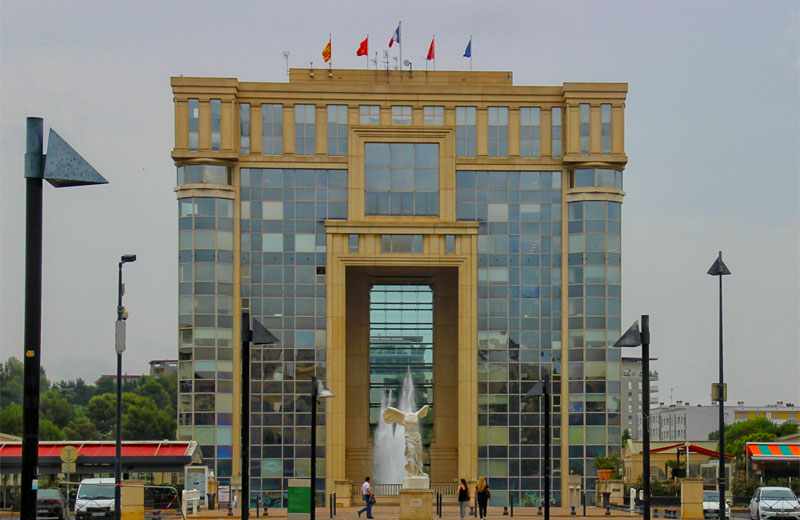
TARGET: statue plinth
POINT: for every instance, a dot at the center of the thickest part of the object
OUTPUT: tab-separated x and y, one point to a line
416	504
423	482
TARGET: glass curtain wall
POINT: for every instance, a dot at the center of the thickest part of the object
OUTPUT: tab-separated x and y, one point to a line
205	349
519	322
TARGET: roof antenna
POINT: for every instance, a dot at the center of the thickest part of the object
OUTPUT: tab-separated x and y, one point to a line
286	57
408	64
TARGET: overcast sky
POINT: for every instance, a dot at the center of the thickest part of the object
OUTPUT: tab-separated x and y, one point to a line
712	134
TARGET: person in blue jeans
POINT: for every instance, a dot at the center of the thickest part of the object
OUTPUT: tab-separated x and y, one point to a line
366	494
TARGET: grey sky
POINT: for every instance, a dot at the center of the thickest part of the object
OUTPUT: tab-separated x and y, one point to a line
712	133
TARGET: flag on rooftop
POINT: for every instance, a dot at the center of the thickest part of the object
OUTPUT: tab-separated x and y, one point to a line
468	50
326	52
395	36
431	51
363	49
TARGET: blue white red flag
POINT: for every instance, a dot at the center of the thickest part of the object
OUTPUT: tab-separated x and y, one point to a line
395	36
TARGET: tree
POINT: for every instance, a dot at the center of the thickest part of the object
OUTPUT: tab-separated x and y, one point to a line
75	391
48	431
759	429
81	428
55	408
102	410
626	435
156	392
143	420
11	419
12	376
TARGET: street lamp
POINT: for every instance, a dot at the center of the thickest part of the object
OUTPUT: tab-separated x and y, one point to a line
61	167
318	391
634	338
719	391
258	335
119	346
542	388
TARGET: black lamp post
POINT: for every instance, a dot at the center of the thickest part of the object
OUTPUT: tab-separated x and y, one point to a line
634	338
719	391
119	346
318	391
258	335
542	388
61	167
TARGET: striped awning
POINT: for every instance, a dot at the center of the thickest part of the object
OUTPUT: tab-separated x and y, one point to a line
773	451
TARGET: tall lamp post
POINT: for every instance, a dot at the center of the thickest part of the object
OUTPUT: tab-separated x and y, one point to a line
719	391
258	335
542	388
318	391
61	167
634	338
119	346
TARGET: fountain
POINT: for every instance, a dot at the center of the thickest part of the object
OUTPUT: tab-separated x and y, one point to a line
388	454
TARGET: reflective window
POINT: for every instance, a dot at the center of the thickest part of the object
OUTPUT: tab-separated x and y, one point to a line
305	129
203	174
465	131
498	131
272	129
605	129
353	243
449	244
596	178
584	128
401	178
194	124
433	115
369	114
401	244
216	124
244	128
337	129
529	131
401	115
556	129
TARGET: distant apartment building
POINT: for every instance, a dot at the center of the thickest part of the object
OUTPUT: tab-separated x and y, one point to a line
163	367
631	394
778	413
682	421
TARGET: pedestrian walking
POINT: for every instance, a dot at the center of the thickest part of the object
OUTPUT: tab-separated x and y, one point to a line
463	497
482	496
369	498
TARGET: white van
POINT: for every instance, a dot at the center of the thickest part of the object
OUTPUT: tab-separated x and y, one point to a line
95	499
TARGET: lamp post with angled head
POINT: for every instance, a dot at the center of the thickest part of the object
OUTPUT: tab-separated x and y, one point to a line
542	388
634	338
720	269
62	167
258	335
119	346
318	391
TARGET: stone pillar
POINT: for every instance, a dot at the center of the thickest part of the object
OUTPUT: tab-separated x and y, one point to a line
416	504
344	493
692	498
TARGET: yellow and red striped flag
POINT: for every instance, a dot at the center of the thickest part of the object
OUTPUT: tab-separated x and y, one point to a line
326	52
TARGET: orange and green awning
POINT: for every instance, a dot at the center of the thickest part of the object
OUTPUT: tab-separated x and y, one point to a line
773	451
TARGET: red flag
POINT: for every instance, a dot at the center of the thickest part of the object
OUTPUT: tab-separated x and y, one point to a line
363	49
431	52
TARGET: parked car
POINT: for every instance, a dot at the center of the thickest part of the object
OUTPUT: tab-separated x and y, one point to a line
51	504
95	499
774	503
711	505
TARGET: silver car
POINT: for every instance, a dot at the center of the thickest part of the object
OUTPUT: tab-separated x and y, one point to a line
774	503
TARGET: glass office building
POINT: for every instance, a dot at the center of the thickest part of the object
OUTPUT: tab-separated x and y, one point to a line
447	224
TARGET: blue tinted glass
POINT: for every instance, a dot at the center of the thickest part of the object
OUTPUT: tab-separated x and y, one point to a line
376	154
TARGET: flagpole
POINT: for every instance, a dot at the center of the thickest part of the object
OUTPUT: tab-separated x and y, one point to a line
400	41
434	52
366	54
470	53
330	42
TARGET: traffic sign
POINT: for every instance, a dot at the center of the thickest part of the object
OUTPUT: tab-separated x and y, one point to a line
69	454
67	467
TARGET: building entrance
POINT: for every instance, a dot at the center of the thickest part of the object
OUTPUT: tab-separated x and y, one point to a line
401	320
